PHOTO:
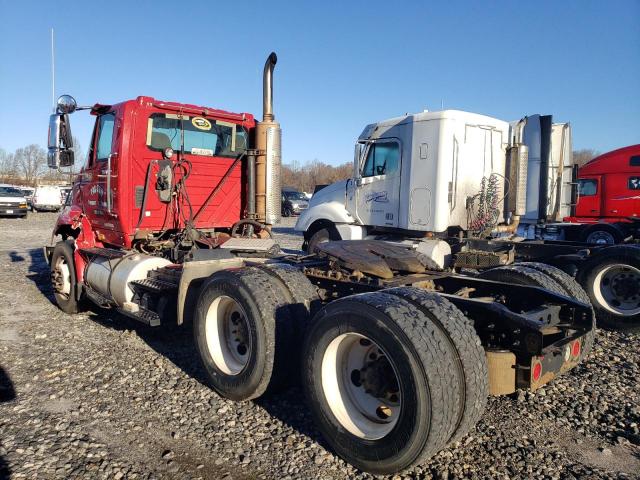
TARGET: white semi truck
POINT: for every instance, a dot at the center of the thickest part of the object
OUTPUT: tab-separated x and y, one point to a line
446	181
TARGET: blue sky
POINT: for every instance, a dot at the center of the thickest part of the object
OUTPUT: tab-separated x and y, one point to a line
341	64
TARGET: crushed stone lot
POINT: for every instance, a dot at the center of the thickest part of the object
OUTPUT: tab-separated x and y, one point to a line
97	395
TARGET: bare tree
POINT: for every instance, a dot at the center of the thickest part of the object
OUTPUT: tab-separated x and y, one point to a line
306	177
7	166
31	162
581	157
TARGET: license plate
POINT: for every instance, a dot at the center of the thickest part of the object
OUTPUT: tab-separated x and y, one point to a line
9	211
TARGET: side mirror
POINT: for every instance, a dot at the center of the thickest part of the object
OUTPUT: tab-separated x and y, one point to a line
357	154
60	144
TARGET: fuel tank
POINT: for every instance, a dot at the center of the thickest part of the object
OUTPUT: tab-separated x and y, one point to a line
111	277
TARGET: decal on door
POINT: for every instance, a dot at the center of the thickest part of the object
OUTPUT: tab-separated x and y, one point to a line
378	197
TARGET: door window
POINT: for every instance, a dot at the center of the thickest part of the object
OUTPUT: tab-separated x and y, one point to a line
105	136
587	187
634	183
383	158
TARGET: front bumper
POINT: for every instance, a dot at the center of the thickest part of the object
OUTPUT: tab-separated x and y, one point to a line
13	211
298	210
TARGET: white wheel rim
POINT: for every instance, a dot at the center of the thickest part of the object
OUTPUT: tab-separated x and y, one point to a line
617	288
228	335
601	238
62	277
367	403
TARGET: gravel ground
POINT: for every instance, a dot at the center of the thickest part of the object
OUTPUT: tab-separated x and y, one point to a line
99	396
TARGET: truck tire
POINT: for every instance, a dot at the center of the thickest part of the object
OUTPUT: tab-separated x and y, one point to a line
472	371
303	301
522	276
242	330
325	234
602	234
377	378
63	277
611	278
573	289
304	296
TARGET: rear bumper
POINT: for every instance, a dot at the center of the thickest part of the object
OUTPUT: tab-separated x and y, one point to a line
13	211
47	208
506	373
557	360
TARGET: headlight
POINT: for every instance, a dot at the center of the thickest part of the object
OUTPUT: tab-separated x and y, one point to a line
23	205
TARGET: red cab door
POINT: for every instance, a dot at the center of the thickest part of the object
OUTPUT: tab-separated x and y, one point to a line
100	176
589	196
623	195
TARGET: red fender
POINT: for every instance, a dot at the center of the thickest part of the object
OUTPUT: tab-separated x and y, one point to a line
72	221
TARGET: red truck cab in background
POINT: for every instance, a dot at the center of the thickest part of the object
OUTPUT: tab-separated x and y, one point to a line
608	196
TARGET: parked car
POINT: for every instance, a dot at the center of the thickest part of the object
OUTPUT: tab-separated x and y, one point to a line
47	198
293	203
12	202
28	194
64	192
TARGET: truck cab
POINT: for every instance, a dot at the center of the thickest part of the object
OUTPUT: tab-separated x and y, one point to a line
608	197
414	174
609	186
139	151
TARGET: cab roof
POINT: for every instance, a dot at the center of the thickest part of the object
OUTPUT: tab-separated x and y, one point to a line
186	108
619	160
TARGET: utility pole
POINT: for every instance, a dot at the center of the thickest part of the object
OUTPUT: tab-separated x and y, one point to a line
53	74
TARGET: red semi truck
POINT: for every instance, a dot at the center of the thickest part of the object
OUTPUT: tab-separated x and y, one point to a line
608	197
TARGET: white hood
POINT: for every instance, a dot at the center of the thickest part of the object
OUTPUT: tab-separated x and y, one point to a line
327	204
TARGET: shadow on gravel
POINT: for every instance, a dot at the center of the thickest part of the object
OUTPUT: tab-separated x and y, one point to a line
7	394
16	257
176	344
172	342
39	272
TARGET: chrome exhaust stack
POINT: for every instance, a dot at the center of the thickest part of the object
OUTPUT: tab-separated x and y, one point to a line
268	159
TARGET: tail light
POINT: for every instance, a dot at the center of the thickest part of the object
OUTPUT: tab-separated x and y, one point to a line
575	349
537	371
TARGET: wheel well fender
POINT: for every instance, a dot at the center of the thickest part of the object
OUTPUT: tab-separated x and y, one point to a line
319	225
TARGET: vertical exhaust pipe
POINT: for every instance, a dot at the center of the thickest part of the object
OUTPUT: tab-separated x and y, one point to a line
268	158
267	87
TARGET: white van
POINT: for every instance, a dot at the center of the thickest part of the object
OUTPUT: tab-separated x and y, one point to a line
12	202
47	198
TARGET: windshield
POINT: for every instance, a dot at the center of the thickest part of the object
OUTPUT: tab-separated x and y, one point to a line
202	136
294	196
10	192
